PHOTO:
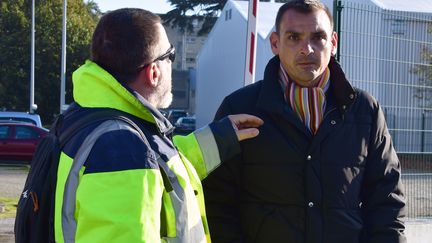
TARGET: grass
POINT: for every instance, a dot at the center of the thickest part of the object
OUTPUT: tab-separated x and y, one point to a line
10	207
7	165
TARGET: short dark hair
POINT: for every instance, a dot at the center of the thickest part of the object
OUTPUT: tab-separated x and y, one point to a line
124	40
302	6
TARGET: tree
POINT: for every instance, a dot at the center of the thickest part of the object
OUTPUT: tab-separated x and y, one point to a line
424	72
15	27
186	12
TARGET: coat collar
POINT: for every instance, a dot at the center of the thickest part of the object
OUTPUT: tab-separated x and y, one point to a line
94	87
271	95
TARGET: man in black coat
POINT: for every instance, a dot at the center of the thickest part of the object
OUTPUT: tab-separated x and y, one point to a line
323	168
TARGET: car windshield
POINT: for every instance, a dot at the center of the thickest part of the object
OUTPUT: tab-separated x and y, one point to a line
188	120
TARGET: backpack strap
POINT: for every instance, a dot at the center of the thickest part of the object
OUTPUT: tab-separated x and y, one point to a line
96	116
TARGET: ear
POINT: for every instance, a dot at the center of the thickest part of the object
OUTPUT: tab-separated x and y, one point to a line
150	75
334	42
274	43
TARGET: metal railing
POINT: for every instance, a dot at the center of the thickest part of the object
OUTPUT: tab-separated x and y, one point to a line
389	54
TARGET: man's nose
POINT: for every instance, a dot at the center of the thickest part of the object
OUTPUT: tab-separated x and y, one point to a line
306	48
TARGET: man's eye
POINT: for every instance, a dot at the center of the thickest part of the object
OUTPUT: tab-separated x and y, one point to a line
293	37
320	37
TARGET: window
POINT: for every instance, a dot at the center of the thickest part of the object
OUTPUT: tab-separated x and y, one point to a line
188	120
195	23
25	133
398	27
190	40
4	131
228	14
179	94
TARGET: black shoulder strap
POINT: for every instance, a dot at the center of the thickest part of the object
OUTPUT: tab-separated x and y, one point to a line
99	115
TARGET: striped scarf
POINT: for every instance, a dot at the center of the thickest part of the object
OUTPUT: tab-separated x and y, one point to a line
307	102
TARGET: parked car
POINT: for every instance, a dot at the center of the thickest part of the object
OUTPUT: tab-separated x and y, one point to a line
6	116
18	140
174	115
185	124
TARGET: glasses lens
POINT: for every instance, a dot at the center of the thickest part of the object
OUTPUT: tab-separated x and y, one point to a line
172	55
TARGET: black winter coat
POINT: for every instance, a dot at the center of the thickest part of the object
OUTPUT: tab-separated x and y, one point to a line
340	186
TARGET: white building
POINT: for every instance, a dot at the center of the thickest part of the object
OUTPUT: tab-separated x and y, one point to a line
221	61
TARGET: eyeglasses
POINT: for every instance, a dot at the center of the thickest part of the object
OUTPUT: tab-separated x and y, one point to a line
170	54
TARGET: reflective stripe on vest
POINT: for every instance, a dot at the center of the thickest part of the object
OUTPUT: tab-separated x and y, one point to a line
185	233
207	144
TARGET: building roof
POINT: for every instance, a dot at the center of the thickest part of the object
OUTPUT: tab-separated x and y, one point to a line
266	15
267	11
424	6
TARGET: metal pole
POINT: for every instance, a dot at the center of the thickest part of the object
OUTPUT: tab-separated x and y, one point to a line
423	128
33	106
63	61
337	15
183	55
251	43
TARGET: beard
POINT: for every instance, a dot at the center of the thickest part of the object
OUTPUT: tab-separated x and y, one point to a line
165	101
163	94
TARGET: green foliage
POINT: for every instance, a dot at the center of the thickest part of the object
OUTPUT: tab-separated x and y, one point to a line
186	11
203	10
15	32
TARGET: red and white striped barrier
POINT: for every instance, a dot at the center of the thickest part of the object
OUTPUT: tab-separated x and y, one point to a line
249	76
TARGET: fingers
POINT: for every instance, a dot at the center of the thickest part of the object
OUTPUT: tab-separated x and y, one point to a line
245	120
245	125
247	133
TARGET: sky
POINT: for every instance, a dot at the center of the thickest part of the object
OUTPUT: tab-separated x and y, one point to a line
155	6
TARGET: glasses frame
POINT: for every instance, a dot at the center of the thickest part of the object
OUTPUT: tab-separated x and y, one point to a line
170	54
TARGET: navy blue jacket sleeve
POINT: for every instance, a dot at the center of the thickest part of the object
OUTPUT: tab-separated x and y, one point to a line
383	200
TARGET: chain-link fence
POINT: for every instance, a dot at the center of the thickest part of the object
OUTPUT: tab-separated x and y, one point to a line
389	54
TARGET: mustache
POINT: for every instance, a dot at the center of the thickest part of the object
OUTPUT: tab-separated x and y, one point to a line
309	59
